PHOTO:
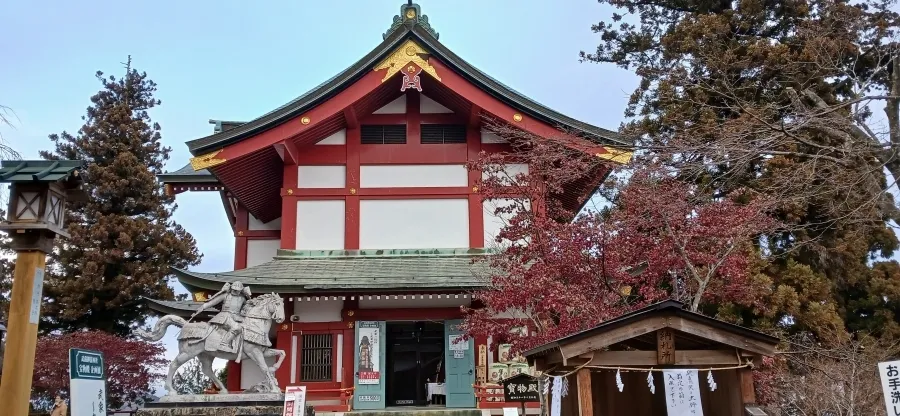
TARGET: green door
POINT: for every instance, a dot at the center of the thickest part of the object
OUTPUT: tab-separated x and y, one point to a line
460	359
368	365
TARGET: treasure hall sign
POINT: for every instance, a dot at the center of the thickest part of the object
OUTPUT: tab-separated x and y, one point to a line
87	382
520	388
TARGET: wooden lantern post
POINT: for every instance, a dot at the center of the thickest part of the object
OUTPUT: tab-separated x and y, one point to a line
37	199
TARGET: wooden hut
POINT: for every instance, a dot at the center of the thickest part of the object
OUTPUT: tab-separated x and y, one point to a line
660	337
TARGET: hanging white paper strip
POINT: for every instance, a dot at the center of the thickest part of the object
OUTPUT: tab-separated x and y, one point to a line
619	383
711	381
650	382
556	400
682	393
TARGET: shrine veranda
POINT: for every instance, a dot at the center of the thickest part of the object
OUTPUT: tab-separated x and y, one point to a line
354	203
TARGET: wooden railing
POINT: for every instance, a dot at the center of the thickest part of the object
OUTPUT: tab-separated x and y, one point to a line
490	396
345	396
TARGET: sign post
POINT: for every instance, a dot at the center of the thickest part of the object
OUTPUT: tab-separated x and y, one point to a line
294	401
521	388
87	383
890	385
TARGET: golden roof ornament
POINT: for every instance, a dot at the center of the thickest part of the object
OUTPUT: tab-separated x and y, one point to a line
411	15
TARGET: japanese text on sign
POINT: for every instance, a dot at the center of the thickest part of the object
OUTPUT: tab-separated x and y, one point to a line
682	393
890	386
521	388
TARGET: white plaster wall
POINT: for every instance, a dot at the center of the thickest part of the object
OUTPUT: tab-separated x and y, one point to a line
261	251
318	311
414	223
406	176
509	172
429	106
488	137
335	139
251	374
320	225
365	303
397	106
255	224
321	176
494	223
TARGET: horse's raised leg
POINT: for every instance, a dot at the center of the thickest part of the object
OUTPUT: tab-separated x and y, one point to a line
206	361
179	360
256	354
271	352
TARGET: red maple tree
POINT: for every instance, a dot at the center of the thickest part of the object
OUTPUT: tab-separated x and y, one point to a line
659	238
131	365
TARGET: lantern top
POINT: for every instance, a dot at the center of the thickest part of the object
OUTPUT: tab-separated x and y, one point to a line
40	170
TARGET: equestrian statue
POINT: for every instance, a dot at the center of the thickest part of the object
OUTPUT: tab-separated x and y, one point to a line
240	330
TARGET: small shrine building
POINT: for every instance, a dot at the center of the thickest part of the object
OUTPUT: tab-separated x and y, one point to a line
354	202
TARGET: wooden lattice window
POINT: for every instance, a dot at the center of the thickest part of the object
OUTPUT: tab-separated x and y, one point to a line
316	357
383	134
443	133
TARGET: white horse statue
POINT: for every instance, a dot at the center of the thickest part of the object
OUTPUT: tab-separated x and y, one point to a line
252	325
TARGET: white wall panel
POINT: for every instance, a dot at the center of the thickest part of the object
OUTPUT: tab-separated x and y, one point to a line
488	137
397	106
429	106
494	223
321	176
405	176
414	223
320	225
250	373
318	311
255	224
335	139
509	172
261	251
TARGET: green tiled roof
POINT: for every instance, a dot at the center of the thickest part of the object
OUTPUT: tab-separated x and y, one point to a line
187	174
37	170
354	271
177	307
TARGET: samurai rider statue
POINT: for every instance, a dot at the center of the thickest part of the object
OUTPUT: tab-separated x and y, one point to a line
226	325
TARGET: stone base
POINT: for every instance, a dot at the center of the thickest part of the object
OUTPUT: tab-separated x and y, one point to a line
230	399
212	411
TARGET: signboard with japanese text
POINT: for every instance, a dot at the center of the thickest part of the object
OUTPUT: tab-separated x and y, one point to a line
368	353
87	383
682	393
294	401
890	385
521	388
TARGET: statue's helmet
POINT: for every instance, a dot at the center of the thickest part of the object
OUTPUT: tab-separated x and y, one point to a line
237	286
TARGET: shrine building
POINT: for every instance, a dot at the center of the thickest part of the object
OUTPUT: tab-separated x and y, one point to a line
354	203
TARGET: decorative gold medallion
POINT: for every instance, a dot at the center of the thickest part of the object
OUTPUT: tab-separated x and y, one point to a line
304	120
410	13
284	327
474	189
352	191
206	161
240	233
397	61
200	297
349	324
290	191
517	117
350	313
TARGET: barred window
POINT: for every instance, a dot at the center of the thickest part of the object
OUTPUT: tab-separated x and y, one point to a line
383	134
443	133
316	357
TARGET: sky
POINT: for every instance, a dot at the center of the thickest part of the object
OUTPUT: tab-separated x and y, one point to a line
236	60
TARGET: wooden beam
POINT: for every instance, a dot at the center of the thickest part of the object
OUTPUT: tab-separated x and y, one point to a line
748	394
474	117
711	333
350	118
585	395
613	336
288	152
649	358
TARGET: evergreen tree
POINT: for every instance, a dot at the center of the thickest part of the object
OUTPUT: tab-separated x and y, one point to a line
123	239
190	379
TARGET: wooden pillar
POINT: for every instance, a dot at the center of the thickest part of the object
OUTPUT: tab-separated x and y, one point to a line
233	382
585	396
748	394
21	339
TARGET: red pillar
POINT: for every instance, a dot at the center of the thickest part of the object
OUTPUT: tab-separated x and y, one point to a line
242	220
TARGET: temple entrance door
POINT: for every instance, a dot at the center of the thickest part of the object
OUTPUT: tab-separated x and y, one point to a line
460	359
369	361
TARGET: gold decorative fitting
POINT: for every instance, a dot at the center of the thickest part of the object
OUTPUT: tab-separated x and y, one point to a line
206	161
290	191
352	191
474	189
200	297
350	313
240	233
284	326
410	13
349	324
517	117
304	120
409	51
615	155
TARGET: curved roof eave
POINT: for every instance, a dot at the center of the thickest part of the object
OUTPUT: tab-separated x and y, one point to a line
337	83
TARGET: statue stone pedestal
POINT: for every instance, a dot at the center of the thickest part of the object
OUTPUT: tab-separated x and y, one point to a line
218	405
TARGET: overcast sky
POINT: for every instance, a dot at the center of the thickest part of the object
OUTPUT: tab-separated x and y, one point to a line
237	60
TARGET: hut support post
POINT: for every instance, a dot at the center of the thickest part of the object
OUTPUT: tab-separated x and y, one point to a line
585	396
748	395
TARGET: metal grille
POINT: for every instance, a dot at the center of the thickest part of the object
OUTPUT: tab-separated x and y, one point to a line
443	133
316	359
383	134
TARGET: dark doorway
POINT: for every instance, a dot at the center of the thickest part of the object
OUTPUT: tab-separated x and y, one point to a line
415	352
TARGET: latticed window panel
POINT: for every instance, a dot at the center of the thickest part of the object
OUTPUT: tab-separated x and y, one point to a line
316	357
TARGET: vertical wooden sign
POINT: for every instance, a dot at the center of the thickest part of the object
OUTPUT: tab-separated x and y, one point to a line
665	346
